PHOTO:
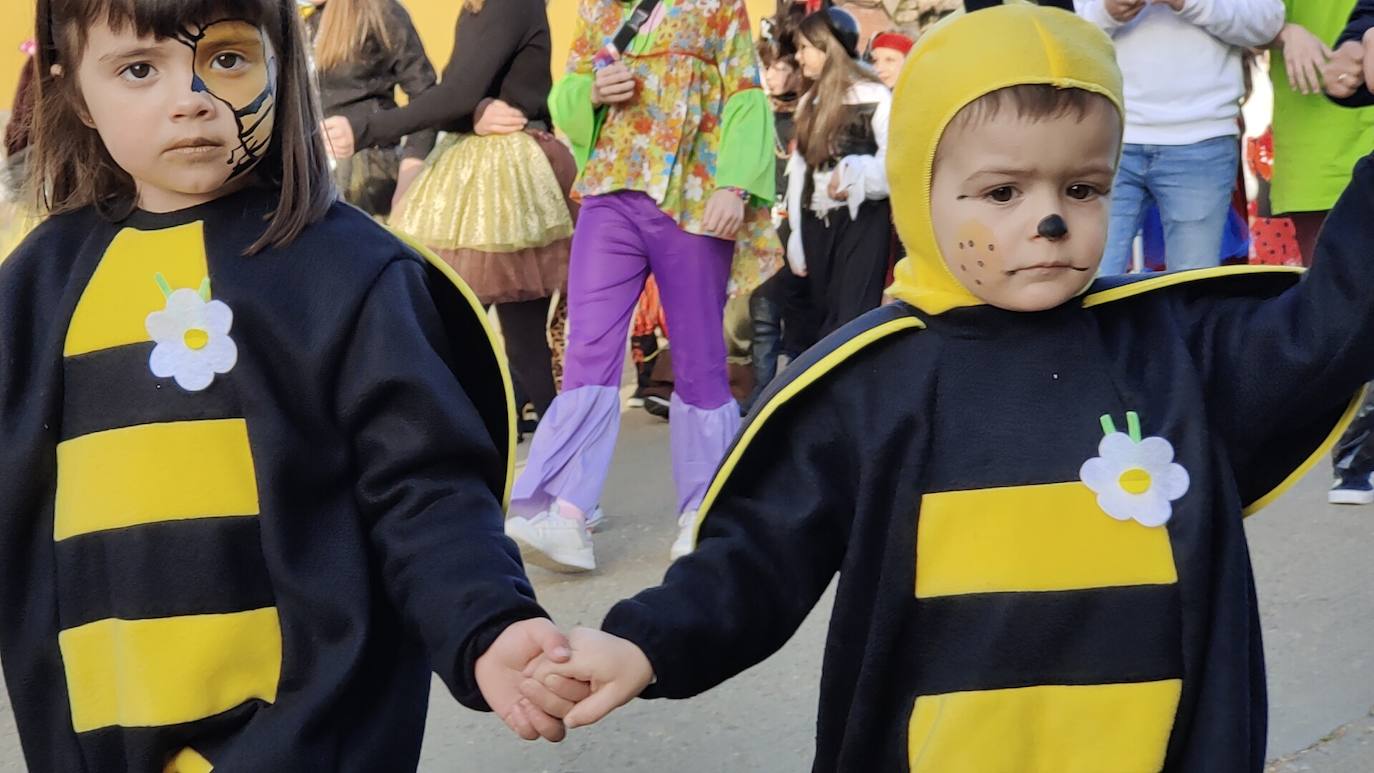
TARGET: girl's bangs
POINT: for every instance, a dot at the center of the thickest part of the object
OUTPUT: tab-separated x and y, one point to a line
166	18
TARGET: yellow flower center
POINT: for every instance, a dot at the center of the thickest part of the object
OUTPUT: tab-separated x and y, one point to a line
1135	481
196	339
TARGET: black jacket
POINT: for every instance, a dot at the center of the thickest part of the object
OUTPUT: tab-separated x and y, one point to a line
368	85
501	52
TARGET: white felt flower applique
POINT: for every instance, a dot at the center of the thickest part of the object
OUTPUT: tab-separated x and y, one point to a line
192	337
1134	478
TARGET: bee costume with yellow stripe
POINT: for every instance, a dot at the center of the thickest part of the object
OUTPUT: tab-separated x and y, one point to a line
1036	518
247	502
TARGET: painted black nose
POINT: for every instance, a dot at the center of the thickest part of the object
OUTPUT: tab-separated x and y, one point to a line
1053	227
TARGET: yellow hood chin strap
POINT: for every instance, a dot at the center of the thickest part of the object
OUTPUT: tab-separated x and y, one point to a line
958	61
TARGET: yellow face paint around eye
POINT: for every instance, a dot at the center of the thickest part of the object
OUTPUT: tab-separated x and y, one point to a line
233	62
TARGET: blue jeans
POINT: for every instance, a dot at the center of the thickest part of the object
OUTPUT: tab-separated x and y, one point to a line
1192	185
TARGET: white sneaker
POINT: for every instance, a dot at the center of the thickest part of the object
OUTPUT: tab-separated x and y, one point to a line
553	542
686	535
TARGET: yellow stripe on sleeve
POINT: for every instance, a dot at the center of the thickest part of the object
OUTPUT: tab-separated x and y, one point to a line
170	670
1033	538
152	473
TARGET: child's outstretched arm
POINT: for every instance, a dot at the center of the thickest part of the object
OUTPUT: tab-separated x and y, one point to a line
430	481
1274	369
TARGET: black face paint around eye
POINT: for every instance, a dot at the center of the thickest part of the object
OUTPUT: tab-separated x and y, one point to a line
1053	227
250	96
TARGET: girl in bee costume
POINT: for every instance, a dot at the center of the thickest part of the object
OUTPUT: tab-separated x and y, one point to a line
255	447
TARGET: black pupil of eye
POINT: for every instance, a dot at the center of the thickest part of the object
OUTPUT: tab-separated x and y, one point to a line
1002	194
228	60
139	70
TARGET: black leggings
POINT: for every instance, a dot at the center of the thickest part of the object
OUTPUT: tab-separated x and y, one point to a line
524	325
846	261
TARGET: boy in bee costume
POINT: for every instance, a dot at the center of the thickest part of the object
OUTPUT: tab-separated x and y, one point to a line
1031	483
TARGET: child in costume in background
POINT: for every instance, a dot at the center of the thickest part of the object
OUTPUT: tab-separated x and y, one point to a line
674	140
837	206
1037	525
888	54
255	447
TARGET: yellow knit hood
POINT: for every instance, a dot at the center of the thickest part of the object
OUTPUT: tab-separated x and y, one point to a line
958	61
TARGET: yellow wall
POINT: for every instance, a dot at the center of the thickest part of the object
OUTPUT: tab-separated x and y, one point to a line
434	19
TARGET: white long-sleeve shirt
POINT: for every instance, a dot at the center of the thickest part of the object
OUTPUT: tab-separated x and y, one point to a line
1183	70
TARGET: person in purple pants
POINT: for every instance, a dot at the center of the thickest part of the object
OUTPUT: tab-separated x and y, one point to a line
673	135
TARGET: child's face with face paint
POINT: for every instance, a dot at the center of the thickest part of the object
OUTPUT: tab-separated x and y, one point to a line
186	117
1020	206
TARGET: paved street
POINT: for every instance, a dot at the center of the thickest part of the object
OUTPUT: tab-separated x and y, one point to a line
1316	583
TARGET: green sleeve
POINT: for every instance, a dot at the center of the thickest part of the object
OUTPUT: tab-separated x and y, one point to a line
747	145
570	104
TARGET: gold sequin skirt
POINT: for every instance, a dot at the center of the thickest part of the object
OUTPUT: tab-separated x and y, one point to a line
493	209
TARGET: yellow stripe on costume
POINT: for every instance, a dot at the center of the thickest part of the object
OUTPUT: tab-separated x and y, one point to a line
124	291
153	473
1033	538
170	670
1108	728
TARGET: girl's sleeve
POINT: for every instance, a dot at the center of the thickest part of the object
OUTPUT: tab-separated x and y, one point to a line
748	134
796	182
415	75
1278	373
430	478
483	43
570	101
866	176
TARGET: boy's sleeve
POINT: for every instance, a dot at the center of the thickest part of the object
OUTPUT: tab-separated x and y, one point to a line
570	101
747	131
1277	373
1243	23
1361	21
430	480
767	548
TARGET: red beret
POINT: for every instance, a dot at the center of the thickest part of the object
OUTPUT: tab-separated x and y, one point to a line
894	40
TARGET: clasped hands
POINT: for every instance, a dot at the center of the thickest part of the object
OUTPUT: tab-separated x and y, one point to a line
540	683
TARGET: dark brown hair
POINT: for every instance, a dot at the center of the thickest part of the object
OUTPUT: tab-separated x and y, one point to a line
72	169
1031	102
17	133
822	115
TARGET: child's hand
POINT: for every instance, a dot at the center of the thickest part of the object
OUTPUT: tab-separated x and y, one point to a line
338	137
1123	10
615	669
500	670
1343	74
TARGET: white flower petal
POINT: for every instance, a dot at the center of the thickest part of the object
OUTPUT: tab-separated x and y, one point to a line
185	301
221	354
194	374
1154	453
1118	447
1172	482
163	326
219	318
1100	475
1116	503
166	357
1153	509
